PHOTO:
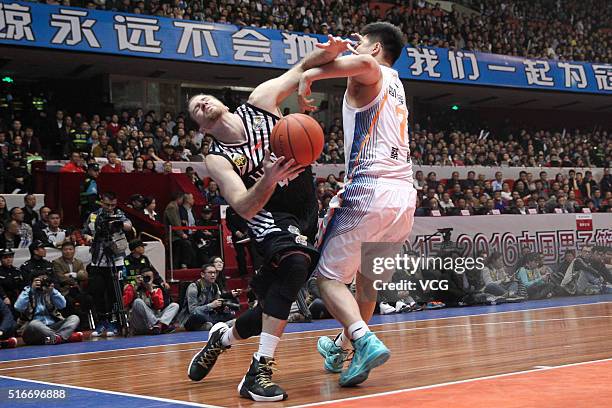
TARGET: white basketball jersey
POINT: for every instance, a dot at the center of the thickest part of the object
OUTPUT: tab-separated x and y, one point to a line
376	137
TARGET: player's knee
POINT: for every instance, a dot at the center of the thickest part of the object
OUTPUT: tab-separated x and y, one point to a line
296	269
249	323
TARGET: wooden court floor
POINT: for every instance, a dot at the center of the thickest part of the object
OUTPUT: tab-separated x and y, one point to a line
424	354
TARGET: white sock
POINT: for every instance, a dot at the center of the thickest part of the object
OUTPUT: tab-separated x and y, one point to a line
228	338
267	345
342	341
358	330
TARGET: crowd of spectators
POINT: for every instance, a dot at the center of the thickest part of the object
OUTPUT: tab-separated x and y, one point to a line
565	30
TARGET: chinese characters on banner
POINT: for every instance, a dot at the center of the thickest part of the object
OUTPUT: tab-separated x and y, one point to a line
41	25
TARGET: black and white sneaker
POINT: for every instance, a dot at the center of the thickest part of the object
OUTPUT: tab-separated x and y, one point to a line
205	359
257	383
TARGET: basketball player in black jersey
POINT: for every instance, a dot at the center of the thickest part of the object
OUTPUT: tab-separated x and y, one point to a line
277	198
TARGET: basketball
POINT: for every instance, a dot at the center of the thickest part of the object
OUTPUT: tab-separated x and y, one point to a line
297	136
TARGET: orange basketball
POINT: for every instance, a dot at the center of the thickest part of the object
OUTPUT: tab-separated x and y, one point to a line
297	136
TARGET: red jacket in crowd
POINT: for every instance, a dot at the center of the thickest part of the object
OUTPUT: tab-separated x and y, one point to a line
156	297
110	169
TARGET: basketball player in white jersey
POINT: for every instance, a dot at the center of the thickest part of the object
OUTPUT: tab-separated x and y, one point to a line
378	200
277	199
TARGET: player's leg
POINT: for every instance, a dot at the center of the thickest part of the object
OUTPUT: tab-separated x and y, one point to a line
291	274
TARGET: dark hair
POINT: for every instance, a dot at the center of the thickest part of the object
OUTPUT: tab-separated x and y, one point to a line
54	213
147	201
389	36
208	265
109	195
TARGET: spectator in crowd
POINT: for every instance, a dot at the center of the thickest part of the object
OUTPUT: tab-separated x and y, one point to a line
7	327
203	304
537	286
147	310
495	278
88	195
37	263
72	277
17	178
53	235
150	165
102	149
11	278
183	254
30	216
212	194
138	165
207	241
149	205
31	143
4	212
43	221
41	321
10	238
75	165
25	230
136	202
195	179
113	165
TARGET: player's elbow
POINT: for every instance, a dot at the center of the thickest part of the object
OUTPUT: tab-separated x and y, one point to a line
245	210
367	63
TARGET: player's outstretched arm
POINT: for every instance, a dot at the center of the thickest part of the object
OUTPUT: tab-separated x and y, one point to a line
270	94
248	202
362	69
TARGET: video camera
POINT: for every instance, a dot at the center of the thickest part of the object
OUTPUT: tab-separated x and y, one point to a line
109	232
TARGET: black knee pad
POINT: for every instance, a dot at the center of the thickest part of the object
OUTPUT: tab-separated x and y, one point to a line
292	272
249	323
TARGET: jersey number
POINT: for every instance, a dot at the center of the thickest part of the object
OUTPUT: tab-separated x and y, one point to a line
400	110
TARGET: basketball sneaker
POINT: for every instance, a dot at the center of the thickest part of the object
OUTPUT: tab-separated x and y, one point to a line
369	353
257	383
205	359
334	356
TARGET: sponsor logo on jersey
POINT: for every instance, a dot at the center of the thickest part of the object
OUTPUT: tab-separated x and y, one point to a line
258	122
239	160
301	239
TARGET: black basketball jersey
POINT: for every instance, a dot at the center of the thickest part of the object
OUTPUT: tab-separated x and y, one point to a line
295	197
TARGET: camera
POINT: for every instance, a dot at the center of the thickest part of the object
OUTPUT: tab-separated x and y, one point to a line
45	282
109	231
146	278
230	305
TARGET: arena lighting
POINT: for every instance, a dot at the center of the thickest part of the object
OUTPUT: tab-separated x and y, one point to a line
7	79
455	107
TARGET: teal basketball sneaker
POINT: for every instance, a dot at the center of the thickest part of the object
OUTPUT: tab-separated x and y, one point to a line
334	356
369	353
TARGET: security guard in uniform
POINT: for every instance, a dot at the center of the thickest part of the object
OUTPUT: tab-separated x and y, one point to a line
11	279
37	263
88	196
136	262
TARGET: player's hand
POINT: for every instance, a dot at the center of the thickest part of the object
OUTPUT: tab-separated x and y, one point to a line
334	45
7	301
305	103
351	46
280	169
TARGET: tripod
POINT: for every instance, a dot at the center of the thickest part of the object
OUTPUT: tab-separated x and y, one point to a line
118	308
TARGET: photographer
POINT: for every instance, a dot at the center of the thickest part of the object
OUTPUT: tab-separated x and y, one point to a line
203	305
106	230
146	302
40	321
